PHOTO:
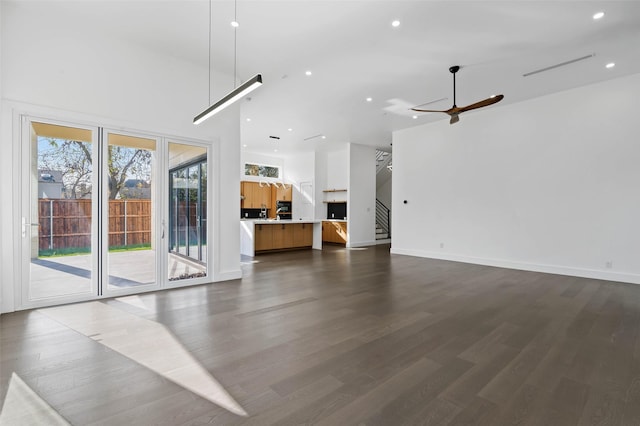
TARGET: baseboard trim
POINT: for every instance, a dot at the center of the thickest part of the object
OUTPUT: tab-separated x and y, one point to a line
524	266
236	274
361	244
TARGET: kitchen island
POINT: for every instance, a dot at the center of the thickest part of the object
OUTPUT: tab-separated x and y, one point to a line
261	236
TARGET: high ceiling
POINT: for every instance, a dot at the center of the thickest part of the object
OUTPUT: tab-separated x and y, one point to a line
354	53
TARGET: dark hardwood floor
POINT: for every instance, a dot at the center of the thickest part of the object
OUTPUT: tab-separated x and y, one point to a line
350	337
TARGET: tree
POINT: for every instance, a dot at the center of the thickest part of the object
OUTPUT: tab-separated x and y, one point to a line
125	162
74	160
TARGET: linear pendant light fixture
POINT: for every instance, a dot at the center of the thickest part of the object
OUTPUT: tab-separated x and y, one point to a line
238	92
230	98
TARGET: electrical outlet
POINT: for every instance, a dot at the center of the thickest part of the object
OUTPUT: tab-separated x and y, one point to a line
608	264
441	245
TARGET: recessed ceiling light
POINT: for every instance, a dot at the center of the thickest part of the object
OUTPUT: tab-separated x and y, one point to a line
598	15
369	99
610	65
308	72
244	146
414	117
275	150
324	137
248	119
235	24
290	129
395	23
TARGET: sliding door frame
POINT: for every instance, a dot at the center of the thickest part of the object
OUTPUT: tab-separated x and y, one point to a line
23	212
157	214
22	116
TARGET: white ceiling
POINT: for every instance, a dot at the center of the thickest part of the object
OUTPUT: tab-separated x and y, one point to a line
355	53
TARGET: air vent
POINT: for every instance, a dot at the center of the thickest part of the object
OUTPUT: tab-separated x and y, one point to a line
562	64
275	137
312	137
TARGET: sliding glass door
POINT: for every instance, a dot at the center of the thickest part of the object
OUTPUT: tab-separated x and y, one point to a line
187	211
108	212
58	211
131	210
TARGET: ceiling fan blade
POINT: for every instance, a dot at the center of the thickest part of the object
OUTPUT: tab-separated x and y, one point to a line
454	119
484	103
430	110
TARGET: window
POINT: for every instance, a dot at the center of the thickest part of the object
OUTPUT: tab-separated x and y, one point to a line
261	170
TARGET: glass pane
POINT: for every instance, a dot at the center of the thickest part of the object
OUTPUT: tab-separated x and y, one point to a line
193	215
187	212
130	175
59	223
203	211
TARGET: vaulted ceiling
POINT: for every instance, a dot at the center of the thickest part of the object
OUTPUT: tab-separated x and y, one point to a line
354	52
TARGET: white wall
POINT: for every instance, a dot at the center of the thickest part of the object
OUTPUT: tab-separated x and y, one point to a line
338	169
332	172
383	193
300	169
5	162
550	184
93	78
321	163
361	207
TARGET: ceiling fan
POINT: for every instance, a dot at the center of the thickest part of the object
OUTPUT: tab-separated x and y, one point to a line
454	111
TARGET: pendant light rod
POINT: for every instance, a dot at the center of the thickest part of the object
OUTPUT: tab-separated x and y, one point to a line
238	91
235	44
210	51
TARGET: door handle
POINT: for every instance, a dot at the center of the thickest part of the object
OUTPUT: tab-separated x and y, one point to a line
24	226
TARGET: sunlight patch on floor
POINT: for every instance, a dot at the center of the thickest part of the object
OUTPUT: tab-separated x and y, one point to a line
146	342
22	406
137	301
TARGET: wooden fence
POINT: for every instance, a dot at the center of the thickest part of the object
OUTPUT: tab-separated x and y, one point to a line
67	223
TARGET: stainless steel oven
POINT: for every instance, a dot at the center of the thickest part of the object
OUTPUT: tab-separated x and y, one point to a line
283	209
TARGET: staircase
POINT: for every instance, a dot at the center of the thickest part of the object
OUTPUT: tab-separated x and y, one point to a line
383	223
383	159
383	213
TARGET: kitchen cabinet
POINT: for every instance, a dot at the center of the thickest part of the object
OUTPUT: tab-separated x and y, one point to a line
277	235
255	196
282	194
282	236
302	234
263	237
334	232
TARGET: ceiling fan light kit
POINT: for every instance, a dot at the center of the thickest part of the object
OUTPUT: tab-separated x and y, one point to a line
455	111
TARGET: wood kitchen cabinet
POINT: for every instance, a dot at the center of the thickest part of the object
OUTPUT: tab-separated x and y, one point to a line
302	234
255	196
263	237
282	236
334	232
282	194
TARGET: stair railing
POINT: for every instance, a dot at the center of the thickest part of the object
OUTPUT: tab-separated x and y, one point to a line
383	217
